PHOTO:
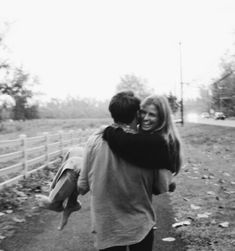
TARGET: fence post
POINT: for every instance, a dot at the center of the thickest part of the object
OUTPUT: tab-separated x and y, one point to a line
47	147
24	151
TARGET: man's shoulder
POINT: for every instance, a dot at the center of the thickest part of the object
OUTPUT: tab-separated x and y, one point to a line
96	137
97	133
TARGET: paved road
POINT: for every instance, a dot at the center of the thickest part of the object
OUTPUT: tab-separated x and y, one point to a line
226	122
40	234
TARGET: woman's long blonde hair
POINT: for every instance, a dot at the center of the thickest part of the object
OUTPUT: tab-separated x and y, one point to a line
166	127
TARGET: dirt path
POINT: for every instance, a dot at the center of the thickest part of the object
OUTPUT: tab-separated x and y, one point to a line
40	233
165	219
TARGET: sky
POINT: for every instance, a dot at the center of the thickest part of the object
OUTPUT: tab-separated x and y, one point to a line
82	48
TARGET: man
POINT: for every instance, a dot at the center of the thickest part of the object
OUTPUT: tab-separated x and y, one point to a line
121	209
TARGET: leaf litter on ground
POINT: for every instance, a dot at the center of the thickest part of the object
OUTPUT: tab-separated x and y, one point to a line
169	239
201	145
181	223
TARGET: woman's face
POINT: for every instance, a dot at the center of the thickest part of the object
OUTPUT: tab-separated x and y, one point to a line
148	118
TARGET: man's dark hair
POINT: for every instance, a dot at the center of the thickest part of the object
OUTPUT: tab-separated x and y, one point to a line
123	107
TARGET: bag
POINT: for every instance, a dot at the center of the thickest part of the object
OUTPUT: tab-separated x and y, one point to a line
161	181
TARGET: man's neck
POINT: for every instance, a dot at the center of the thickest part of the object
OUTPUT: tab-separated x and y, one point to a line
131	126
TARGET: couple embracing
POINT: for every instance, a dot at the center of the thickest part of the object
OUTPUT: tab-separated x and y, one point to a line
124	165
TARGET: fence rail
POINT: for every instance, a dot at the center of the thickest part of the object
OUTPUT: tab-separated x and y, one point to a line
23	156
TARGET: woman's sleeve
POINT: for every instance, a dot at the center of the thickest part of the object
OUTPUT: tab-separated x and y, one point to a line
145	150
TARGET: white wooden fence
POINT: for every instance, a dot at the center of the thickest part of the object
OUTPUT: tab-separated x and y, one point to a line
23	156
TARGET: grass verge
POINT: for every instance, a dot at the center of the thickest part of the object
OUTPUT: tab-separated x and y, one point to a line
205	195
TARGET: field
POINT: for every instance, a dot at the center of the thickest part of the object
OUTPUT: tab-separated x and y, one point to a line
12	129
204	201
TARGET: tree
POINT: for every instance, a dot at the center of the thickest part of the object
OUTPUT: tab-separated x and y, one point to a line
141	89
75	108
204	99
174	104
130	82
6	104
14	82
4	64
223	90
15	85
32	112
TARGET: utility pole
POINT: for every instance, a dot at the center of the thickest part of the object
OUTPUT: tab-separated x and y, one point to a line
181	88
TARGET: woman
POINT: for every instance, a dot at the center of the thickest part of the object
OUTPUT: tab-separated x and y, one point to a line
155	119
63	192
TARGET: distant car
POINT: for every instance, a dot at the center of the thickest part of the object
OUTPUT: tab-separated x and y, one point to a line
205	115
219	115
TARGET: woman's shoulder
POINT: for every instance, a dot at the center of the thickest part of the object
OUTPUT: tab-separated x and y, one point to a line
156	134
